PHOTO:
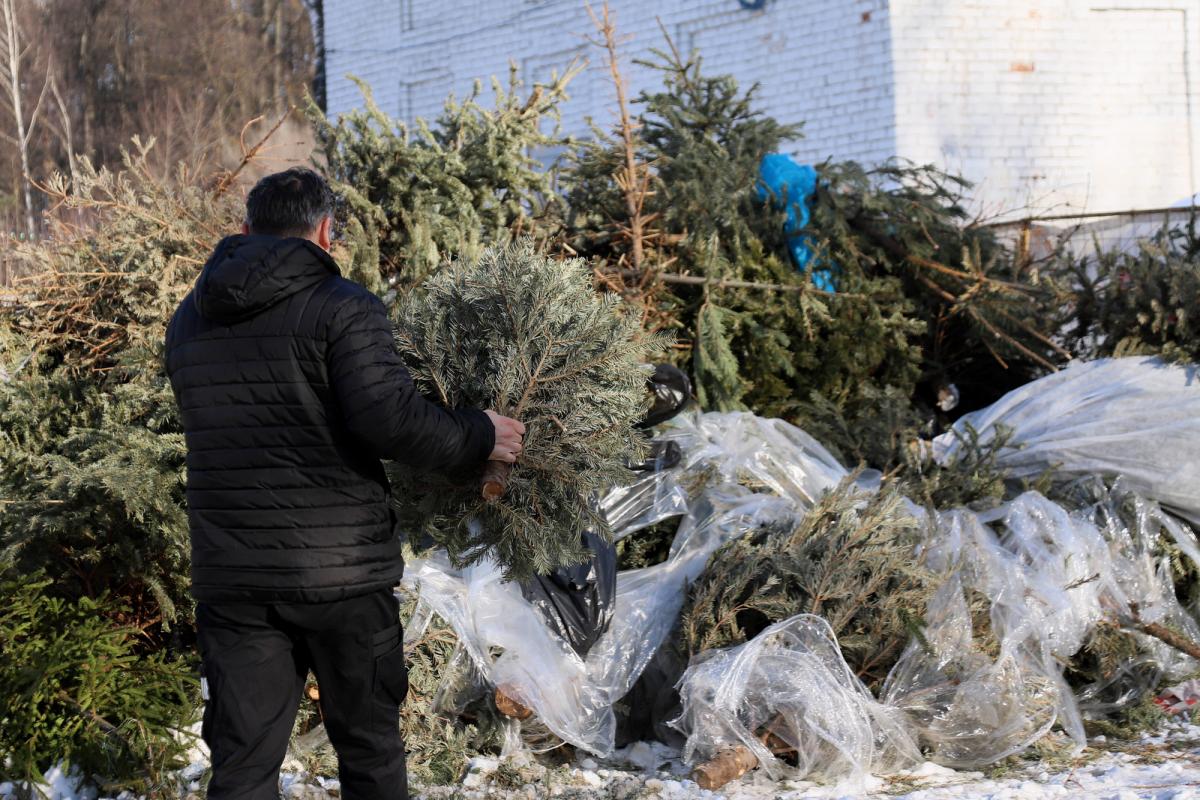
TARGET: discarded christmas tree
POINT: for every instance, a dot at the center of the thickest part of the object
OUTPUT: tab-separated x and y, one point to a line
92	460
849	560
528	336
1138	303
76	687
91	487
414	196
923	301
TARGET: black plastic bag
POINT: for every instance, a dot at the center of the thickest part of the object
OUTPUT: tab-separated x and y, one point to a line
672	392
577	602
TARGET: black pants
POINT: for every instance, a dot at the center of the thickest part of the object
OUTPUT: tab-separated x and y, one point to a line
256	657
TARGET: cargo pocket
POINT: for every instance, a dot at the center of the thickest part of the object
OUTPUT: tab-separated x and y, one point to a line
390	685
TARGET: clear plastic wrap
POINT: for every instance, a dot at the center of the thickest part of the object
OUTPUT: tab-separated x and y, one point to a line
738	473
1022	587
789	691
985	683
516	651
1112	417
652	498
1143	572
1026	585
767	455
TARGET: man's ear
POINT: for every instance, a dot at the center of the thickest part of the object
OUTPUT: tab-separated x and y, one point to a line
323	231
245	229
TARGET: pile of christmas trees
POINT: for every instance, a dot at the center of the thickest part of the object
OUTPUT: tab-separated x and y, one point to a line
99	659
904	314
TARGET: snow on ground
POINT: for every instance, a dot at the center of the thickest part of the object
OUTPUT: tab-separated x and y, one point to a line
1161	766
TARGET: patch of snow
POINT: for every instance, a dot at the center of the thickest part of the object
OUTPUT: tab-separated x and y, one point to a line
646	756
588	777
1162	765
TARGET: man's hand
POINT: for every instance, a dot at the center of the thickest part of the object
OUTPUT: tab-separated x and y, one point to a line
509	433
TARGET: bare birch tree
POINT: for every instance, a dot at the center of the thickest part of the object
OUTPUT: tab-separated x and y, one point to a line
64	122
12	57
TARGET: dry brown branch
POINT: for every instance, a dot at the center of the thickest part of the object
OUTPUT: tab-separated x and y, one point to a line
248	154
633	178
1001	335
1161	632
696	280
977	277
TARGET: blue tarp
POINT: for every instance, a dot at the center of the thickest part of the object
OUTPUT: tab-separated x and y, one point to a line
782	180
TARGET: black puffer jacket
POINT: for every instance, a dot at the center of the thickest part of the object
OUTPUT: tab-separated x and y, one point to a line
291	391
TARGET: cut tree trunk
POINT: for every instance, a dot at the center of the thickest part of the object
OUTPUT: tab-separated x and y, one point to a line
495	480
735	761
728	765
509	707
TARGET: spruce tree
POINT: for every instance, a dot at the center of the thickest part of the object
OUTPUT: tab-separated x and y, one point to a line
703	138
1140	302
849	560
528	336
75	687
414	196
924	298
92	454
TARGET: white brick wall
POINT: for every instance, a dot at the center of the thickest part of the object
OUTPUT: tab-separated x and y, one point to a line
823	62
1058	105
1050	104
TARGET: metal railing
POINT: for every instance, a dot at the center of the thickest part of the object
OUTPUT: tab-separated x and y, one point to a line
1086	233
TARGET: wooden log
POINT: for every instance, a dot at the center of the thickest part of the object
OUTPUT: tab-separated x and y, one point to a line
735	761
728	765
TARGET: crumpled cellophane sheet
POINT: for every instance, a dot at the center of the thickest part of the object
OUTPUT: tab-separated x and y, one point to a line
738	473
789	689
1133	418
1022	587
1044	577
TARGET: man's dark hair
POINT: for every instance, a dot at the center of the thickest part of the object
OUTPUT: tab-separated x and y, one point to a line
289	203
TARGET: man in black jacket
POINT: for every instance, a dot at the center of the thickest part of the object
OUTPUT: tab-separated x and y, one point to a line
291	391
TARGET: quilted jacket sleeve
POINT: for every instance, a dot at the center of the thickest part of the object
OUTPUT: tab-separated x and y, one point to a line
381	405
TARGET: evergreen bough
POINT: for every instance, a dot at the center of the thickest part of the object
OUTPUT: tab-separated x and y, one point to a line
1141	302
91	448
528	336
77	687
415	195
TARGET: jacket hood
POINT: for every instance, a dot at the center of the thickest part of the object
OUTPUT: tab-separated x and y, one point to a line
247	274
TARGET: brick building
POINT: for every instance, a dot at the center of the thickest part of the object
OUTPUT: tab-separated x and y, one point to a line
1060	105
